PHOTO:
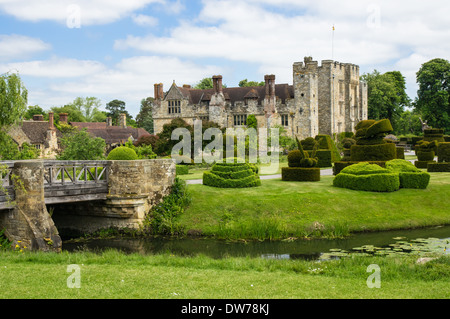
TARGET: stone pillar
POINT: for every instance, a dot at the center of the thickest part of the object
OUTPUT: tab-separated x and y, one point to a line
29	224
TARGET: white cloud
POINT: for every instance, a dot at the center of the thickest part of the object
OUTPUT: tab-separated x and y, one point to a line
55	68
144	20
130	80
19	46
86	12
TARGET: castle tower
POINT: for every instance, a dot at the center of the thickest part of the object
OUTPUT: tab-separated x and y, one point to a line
305	76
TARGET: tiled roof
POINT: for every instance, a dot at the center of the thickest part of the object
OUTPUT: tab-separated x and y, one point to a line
111	134
195	96
36	131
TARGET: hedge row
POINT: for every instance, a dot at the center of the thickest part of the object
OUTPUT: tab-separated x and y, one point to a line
438	167
443	152
377	152
422	164
382	182
409	175
303	174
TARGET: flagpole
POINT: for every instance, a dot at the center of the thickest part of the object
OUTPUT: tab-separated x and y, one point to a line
332	44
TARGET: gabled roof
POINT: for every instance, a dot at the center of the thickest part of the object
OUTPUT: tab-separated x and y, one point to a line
196	96
111	134
36	131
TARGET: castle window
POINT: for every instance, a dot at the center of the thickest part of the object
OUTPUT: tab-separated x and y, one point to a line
174	107
240	119
285	120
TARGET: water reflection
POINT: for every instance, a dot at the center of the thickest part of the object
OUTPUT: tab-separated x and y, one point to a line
297	249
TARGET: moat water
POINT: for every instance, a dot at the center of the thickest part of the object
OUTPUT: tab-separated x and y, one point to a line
313	249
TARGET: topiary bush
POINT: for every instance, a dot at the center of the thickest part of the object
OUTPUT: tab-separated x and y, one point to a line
303	165
297	174
409	175
443	152
339	166
232	175
182	169
122	153
367	177
438	167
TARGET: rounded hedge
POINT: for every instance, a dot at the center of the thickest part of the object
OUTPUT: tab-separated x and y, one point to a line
425	155
122	153
232	175
409	175
443	152
294	158
367	177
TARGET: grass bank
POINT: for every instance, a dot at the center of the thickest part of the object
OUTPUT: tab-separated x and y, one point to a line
279	209
114	275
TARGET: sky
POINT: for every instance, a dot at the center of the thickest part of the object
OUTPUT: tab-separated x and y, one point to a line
113	49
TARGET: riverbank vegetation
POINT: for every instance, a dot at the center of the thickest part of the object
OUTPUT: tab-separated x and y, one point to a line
112	274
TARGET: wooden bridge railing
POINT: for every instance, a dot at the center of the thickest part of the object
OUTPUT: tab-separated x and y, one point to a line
64	181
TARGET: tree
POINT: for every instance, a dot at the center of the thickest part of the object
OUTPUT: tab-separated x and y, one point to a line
206	83
433	96
13	99
246	83
9	150
88	106
145	117
409	123
117	107
80	145
73	113
387	97
33	110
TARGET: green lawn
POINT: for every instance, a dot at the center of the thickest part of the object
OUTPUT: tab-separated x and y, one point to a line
118	276
279	209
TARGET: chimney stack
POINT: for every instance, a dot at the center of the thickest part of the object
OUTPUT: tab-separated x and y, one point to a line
217	83
108	121
123	120
159	92
270	85
63	117
38	117
51	121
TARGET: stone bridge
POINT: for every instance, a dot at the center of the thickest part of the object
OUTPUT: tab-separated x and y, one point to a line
39	200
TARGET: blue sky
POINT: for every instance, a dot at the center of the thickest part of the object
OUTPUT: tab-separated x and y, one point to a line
114	49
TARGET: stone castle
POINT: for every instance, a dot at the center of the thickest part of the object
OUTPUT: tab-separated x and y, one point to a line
324	99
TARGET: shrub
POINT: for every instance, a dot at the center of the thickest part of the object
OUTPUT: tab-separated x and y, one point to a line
425	156
422	164
377	152
443	152
294	158
438	167
339	166
182	169
400	152
122	153
232	175
304	174
409	175
323	158
367	177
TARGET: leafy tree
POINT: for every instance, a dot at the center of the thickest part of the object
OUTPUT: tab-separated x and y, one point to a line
9	150
433	96
206	83
117	107
80	145
409	123
73	113
246	83
13	99
387	97
34	110
165	143
145	117
88	106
